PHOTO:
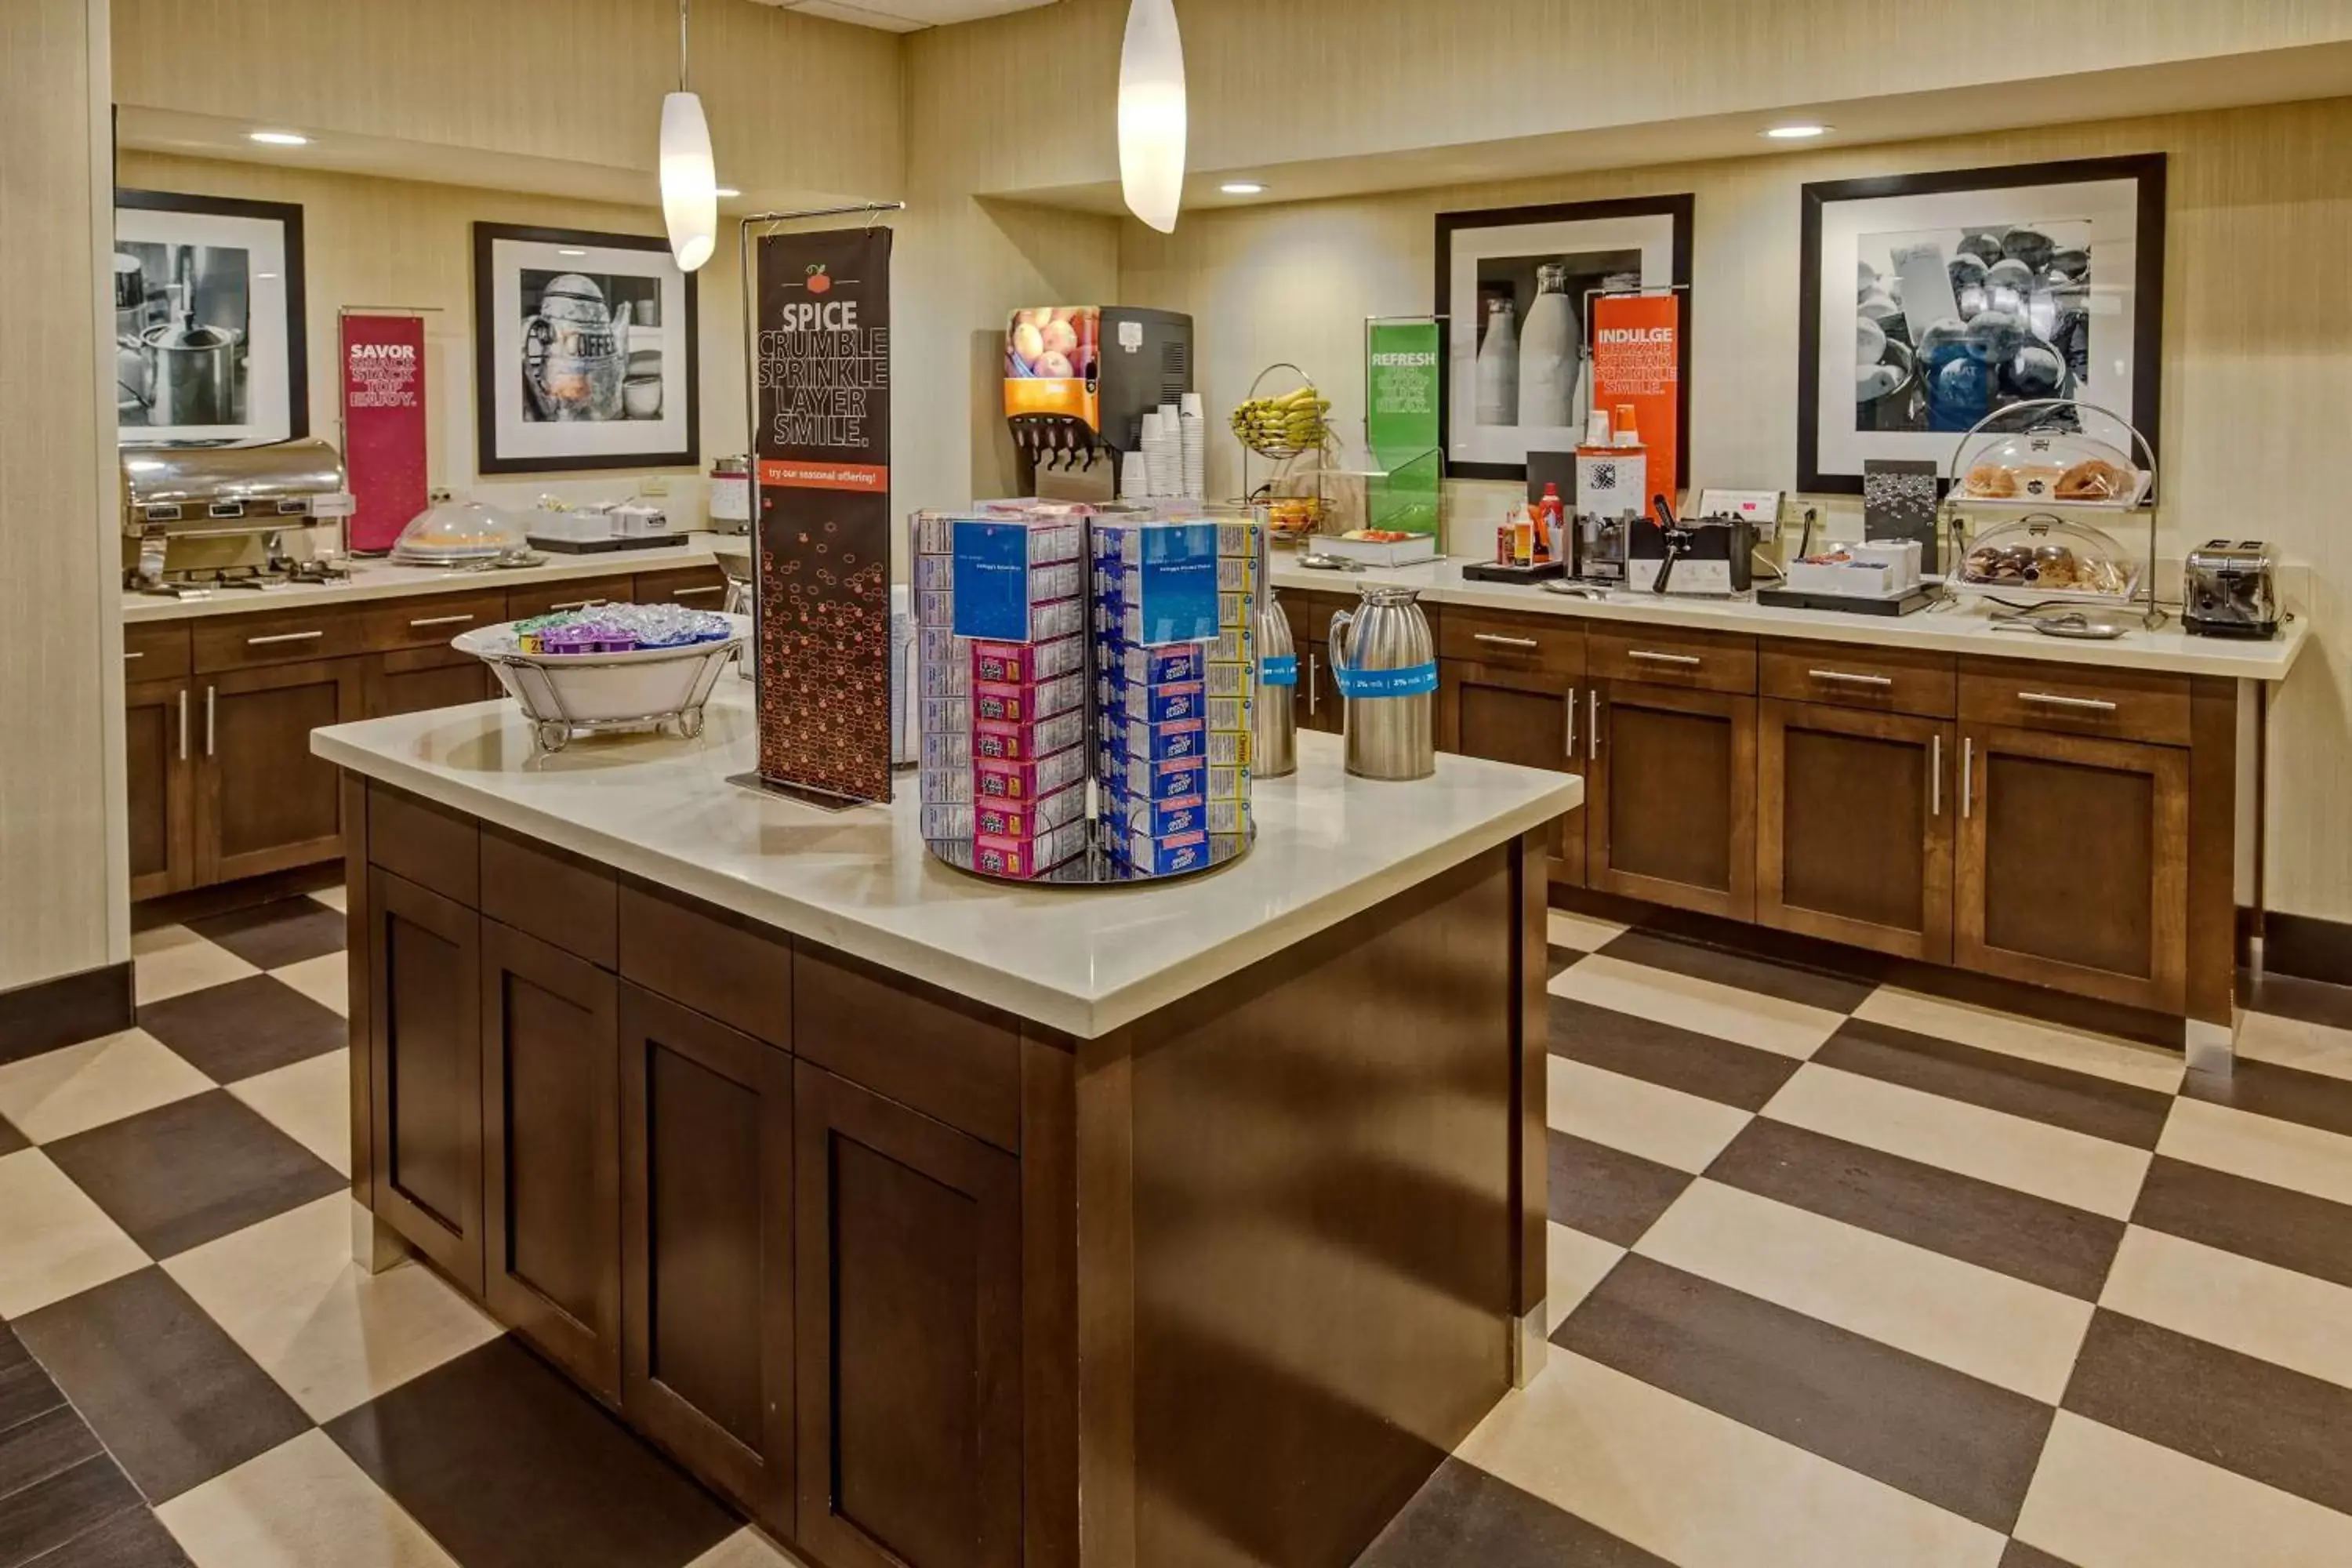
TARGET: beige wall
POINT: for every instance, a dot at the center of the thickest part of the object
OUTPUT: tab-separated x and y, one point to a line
2257	361
62	902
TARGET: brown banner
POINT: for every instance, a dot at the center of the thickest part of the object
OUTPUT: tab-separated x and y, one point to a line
823	449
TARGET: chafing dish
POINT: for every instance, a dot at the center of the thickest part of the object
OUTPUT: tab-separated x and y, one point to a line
220	492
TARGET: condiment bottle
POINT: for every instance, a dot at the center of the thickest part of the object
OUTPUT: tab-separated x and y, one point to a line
1553	513
1522	537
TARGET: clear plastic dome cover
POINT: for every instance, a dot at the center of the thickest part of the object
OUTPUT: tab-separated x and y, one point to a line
2041	466
451	530
2047	557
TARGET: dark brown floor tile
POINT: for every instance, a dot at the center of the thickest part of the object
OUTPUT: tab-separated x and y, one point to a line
2050	1243
1937	1434
10	1139
2278	1427
2080	1102
166	1389
26	1391
131	1538
1605	1193
508	1466
32	1451
2021	1555
40	1519
1560	960
1464	1518
1814	988
273	935
2290	1094
246	1026
2253	1219
2292	996
192	1171
1663	1054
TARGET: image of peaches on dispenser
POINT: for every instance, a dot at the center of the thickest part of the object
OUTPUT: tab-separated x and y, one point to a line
1953	324
1056	342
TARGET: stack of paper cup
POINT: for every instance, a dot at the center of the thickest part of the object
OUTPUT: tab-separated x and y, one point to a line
1134	477
1163	451
1193	440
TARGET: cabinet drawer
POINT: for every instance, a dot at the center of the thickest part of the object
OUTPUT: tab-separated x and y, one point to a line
429	845
709	961
431	622
1847	675
542	598
1503	641
2124	704
557	898
155	651
281	637
1698	661
697	587
934	1053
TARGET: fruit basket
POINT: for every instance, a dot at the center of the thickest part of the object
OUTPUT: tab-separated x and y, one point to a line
1290	430
643	688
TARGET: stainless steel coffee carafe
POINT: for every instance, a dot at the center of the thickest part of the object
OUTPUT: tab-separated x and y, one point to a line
1385	663
1274	722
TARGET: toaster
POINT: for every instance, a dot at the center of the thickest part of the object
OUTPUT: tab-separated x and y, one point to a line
2231	590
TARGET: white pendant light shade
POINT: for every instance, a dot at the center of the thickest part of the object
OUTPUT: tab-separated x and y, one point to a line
689	180
1151	114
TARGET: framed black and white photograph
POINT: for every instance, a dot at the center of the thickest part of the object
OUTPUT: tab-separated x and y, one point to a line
1929	301
208	337
1515	286
585	351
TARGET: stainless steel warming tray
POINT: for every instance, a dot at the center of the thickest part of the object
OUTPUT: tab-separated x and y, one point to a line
185	492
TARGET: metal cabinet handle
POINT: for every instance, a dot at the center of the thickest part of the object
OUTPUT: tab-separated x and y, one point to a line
128	657
575	603
1968	775
212	717
1500	641
1646	656
1844	678
284	636
1592	721
1572	723
696	593
184	724
2051	699
1936	776
439	621
1314	684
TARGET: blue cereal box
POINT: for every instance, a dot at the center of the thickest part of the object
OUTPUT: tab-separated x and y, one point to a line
1184	738
1160	704
1143	780
1165	857
1156	666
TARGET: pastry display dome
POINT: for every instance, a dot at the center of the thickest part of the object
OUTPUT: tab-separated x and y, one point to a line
2041	466
452	533
2046	557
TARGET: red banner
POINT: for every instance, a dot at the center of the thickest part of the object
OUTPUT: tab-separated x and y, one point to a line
1637	358
384	426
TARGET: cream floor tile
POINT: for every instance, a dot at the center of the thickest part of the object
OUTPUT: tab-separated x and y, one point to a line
333	1336
1988	1029
747	1549
301	1505
310	1101
1703	1491
1581	933
2291	1042
2260	1309
172	961
59	1093
2104	1499
2004	1331
1748	1018
2263	1148
325	980
54	1242
1575	1263
2031	1156
332	898
1658	1123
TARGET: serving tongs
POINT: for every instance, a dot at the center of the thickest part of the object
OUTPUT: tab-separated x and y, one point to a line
2063	623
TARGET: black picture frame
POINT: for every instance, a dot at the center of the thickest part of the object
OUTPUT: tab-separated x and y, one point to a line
288	216
1680	207
489	366
2148	169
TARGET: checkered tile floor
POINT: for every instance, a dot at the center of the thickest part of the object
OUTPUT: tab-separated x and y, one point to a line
1841	1275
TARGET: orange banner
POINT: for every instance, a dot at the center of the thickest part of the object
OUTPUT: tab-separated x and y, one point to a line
781	474
1637	358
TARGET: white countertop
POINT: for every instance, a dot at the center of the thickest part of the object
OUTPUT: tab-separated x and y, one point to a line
1085	961
1960	628
381	580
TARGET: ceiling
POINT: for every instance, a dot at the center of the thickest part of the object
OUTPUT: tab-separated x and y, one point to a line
905	16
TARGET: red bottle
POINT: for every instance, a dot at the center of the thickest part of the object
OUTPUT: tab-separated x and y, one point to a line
1553	522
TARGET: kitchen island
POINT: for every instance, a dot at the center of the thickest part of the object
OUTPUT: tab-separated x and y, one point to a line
944	1222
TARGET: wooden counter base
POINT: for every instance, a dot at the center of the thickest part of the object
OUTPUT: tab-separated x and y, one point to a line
914	1281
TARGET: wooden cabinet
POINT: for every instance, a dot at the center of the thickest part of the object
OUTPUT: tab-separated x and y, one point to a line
697	587
1530	716
909	1324
263	801
1670	811
417	681
159	768
1320	707
706	1250
1855	813
2073	863
541	598
425	1071
551	1152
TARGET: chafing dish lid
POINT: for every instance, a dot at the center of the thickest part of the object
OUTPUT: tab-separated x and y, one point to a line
279	470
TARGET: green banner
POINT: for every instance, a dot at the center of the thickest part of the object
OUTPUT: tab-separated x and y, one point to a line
1402	364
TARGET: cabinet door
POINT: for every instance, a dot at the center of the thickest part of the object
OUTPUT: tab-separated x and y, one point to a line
2074	864
706	1250
551	1152
1854	819
417	681
264	803
1671	801
908	1285
426	1072
158	754
1528	716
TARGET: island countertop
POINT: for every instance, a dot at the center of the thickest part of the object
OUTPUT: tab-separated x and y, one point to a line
861	881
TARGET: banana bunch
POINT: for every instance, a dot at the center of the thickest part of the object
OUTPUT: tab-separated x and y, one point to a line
1293	421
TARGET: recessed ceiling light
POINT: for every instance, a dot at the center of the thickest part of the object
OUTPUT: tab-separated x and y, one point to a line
723	192
1243	188
278	138
1797	132
564	251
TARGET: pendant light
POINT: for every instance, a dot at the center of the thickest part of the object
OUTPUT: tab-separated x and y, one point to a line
689	175
1151	114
